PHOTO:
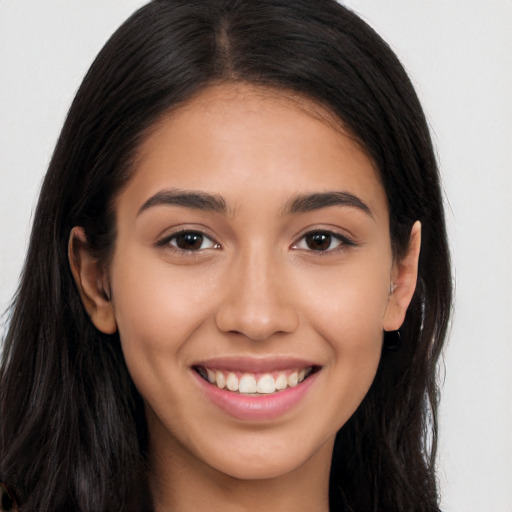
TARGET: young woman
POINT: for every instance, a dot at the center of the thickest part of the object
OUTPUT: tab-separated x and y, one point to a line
238	284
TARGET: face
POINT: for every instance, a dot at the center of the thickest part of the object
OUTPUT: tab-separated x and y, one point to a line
251	280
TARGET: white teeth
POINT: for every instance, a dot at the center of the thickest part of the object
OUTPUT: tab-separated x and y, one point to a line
266	384
232	382
281	382
293	379
211	375
247	384
221	380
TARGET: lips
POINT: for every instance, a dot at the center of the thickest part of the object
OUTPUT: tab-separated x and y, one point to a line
254	383
255	389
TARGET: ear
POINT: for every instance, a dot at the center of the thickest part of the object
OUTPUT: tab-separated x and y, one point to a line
92	282
404	275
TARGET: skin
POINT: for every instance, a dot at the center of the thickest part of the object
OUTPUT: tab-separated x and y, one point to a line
253	288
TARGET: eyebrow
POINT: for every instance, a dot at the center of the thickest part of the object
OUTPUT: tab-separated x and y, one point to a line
301	203
304	203
188	199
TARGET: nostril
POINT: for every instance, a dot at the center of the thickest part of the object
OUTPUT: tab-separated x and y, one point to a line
257	322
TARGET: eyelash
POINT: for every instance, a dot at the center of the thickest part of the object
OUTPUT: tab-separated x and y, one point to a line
166	241
340	240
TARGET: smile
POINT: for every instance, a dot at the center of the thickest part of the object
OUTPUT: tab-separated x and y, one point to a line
247	383
249	389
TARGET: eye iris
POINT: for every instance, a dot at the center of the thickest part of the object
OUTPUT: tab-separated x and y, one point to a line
318	241
189	241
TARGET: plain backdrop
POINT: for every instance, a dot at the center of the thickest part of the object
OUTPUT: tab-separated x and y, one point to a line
458	53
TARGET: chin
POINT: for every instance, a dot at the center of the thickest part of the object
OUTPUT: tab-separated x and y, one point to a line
260	470
270	457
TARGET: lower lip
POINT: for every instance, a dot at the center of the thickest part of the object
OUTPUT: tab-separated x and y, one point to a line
254	408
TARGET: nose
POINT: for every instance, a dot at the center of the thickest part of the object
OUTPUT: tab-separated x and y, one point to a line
259	299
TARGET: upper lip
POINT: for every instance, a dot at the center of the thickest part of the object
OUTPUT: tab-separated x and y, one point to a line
251	364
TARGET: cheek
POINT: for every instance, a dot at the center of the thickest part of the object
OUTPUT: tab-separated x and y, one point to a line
349	310
156	312
155	298
348	315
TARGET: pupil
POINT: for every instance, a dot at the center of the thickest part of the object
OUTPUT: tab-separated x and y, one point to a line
189	241
318	241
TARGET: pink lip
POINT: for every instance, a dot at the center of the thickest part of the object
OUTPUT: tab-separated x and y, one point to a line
255	408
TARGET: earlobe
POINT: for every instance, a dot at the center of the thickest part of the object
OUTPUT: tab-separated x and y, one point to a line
91	281
403	282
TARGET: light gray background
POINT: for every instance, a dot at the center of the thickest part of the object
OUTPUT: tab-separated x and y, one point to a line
458	53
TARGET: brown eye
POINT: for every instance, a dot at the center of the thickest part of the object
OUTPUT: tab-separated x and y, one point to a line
323	241
189	241
320	241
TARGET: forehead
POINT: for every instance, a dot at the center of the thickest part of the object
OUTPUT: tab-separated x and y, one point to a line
241	141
